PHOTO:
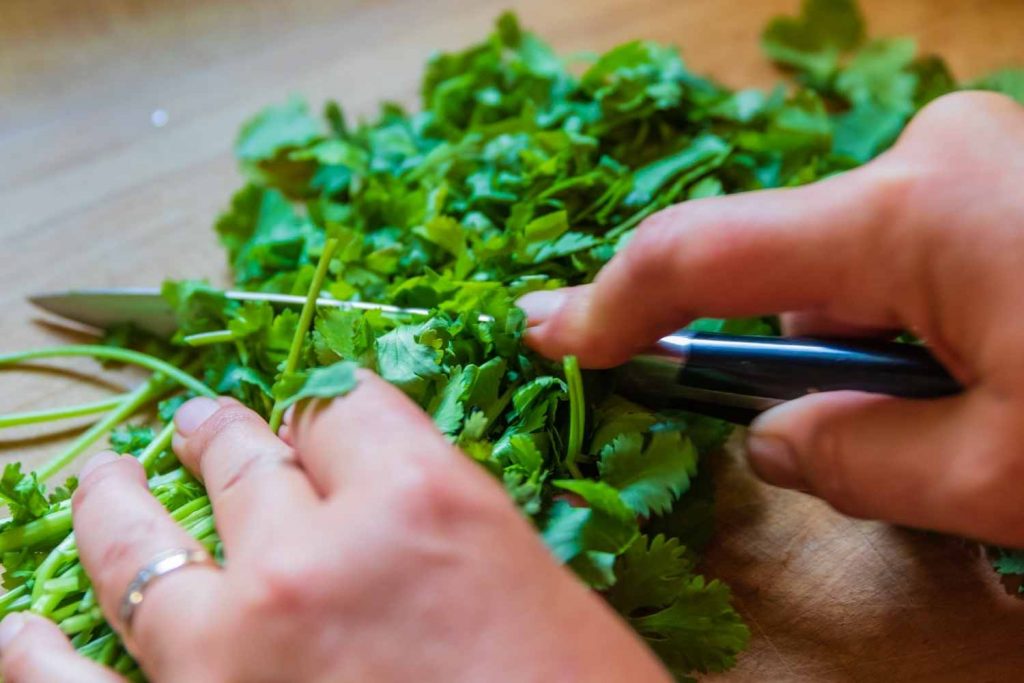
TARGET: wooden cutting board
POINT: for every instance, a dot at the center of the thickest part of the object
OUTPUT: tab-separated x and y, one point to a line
94	191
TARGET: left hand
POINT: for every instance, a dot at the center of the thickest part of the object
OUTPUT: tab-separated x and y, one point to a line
363	547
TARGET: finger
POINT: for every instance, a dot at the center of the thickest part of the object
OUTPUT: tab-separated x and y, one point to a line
816	324
252	477
808	248
936	464
375	434
33	650
119	528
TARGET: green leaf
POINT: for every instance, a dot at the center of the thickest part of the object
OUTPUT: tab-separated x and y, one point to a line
22	493
1007	81
328	381
813	41
698	631
879	73
650	179
651	476
651	573
610	525
275	129
405	362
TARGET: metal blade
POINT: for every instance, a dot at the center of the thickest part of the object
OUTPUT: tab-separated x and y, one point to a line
104	308
145	308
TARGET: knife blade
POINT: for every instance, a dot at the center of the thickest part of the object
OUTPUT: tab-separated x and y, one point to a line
147	309
731	377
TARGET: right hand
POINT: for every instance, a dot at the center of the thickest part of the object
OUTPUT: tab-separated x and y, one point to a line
929	237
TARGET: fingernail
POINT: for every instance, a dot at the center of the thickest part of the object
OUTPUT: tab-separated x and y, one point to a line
10	627
540	306
194	413
96	461
774	460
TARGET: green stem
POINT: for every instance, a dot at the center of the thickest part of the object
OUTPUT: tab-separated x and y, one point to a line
36	416
115	354
305	320
11	597
43	530
207	338
158	445
65	551
133	400
577	414
81	622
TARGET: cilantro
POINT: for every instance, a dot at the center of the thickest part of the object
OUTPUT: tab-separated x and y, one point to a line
515	175
322	382
22	493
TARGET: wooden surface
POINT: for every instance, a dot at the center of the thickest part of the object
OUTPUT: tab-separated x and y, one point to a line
92	193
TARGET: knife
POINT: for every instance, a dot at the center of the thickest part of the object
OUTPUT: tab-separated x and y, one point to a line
726	376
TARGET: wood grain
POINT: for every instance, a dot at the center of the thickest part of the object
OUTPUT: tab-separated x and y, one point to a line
92	193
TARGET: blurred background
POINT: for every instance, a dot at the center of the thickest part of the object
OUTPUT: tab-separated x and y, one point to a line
116	124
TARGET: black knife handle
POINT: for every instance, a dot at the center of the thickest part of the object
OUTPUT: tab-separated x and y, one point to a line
737	377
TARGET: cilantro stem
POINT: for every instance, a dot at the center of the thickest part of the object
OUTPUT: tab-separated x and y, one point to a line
66	551
82	409
115	354
132	401
577	414
305	320
207	338
157	446
45	529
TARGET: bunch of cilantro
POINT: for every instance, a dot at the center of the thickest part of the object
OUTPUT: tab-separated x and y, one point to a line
515	176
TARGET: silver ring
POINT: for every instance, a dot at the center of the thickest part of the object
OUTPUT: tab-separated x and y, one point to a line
162	564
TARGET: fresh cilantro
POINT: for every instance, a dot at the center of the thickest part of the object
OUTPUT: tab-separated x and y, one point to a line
517	173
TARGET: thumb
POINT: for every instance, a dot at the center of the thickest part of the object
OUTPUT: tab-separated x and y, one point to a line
946	464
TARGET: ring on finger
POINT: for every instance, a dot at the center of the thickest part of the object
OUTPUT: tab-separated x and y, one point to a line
162	564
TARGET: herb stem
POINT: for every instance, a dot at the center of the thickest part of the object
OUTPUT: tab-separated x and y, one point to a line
42	530
132	401
577	414
80	410
305	320
112	353
207	338
66	551
158	445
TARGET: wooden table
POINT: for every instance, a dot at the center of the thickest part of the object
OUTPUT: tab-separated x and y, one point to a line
92	192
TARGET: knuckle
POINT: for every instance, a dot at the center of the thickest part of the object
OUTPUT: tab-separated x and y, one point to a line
122	551
438	501
282	585
648	256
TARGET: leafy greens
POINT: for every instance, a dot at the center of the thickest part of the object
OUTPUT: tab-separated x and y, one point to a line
515	176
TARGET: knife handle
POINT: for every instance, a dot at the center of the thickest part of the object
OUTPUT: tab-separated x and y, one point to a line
738	377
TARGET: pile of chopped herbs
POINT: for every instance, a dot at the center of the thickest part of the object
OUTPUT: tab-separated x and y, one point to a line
516	175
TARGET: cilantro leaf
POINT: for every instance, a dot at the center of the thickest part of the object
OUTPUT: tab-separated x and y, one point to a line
651	476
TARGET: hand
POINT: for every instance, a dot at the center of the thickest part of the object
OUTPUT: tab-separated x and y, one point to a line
930	238
364	547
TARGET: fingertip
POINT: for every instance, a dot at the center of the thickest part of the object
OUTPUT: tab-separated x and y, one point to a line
97	461
541	305
193	413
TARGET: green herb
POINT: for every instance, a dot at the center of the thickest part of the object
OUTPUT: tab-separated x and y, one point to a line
515	176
